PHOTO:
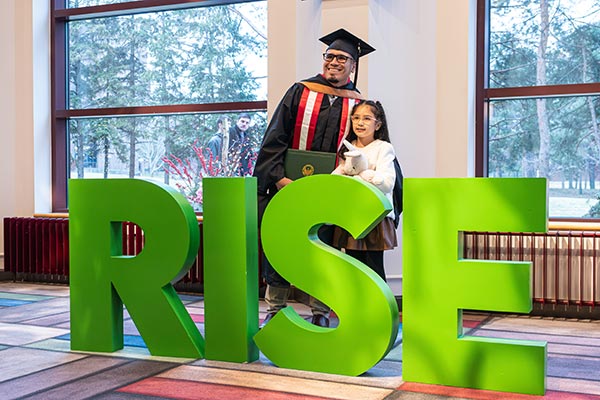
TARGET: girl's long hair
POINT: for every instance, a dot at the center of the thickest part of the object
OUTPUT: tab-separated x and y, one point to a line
382	133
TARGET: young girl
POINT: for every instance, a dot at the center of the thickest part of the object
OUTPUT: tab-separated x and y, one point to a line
369	134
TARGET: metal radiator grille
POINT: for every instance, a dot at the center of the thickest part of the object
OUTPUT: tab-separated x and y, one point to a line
37	249
566	264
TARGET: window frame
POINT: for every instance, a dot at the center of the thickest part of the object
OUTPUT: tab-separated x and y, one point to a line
60	113
484	94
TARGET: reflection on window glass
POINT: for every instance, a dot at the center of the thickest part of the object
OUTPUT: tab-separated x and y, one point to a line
178	150
565	148
544	42
200	55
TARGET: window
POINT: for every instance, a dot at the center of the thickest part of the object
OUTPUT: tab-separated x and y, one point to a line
142	88
539	98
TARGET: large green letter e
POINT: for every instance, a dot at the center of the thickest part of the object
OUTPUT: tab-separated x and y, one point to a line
438	283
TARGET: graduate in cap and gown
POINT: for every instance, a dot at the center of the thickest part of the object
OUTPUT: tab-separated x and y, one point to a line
327	98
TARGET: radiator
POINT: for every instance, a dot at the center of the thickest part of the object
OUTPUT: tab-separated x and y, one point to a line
133	243
566	264
37	250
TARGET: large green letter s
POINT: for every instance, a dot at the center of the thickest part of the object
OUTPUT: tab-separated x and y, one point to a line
365	305
102	278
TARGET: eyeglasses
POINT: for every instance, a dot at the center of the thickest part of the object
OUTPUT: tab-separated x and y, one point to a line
338	57
367	119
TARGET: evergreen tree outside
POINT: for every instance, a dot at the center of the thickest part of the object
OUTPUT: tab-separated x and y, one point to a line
539	43
203	55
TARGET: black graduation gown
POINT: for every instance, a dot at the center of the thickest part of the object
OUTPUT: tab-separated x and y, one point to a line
278	138
280	133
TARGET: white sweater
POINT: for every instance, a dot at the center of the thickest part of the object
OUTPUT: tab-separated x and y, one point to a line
381	157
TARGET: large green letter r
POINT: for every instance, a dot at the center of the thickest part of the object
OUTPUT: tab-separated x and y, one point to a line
102	278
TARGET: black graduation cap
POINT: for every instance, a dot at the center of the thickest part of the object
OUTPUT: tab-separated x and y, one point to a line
345	41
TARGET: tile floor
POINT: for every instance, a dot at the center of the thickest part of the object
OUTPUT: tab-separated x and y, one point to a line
36	361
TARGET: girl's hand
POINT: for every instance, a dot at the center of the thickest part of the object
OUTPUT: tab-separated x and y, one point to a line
372	176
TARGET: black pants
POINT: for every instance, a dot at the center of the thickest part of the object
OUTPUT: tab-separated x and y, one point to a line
372	258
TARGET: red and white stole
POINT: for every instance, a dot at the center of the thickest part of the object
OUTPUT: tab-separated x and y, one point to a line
308	113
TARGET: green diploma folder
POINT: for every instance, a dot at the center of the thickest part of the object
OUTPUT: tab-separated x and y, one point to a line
301	163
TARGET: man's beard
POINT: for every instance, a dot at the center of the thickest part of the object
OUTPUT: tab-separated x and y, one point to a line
333	80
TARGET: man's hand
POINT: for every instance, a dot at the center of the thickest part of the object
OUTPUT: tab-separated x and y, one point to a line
282	182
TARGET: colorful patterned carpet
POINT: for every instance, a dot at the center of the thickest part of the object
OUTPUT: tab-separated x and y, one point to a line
36	361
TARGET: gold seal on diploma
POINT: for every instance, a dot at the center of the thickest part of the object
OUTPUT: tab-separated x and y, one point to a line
308	169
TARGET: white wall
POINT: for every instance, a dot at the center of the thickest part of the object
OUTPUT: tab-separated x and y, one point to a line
7	110
455	87
402	77
422	72
41	115
293	31
24	108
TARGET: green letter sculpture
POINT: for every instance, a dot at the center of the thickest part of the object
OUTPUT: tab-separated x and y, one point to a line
438	283
102	278
365	305
230	268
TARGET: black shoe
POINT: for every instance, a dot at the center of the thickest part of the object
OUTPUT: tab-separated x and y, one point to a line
320	320
267	319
